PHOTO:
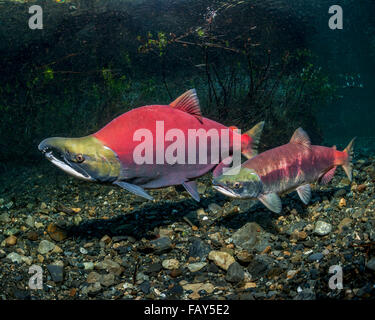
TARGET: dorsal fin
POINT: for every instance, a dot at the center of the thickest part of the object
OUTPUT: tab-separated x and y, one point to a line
301	137
189	103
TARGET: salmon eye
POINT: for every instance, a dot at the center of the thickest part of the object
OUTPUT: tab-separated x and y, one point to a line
79	158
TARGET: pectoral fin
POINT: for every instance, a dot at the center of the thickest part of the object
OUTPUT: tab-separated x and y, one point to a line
139	191
191	187
271	201
304	193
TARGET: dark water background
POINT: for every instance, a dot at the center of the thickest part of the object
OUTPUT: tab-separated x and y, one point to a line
250	60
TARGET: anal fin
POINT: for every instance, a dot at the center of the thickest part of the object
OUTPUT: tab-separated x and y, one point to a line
271	201
191	187
304	193
327	177
139	191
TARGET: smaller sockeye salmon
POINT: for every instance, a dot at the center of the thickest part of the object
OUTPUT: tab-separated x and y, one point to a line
281	170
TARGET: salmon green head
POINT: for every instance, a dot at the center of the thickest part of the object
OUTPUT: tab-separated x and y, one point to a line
85	158
239	183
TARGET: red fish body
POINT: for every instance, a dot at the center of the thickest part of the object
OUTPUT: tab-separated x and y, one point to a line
290	167
284	168
118	135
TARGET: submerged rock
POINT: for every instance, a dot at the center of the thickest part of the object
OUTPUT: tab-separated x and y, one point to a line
161	245
260	265
11	240
170	264
322	228
251	237
199	248
316	256
45	246
110	266
14	257
235	273
221	259
194	267
4	218
56	272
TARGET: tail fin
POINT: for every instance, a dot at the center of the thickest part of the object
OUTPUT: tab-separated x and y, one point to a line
347	166
250	150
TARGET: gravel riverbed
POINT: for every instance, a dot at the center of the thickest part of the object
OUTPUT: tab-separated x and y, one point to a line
100	242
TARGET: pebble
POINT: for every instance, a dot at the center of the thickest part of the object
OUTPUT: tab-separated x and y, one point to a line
176	273
194	267
251	236
11	240
93	277
161	245
215	208
56	272
107	280
361	188
45	246
14	257
291	273
32	236
56	233
4	218
106	239
145	287
94	289
244	256
235	273
322	228
110	266
221	259
88	265
296	227
316	256
30	221
199	248
154	268
260	265
342	203
170	264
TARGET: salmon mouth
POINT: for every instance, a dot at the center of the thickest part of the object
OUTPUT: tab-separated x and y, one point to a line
60	160
225	190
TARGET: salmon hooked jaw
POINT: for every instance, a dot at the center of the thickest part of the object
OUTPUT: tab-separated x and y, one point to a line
226	191
245	184
85	158
61	161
